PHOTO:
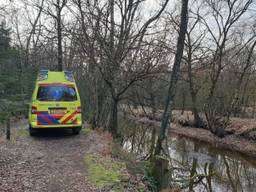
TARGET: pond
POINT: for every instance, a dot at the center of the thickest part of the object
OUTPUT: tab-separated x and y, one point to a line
197	166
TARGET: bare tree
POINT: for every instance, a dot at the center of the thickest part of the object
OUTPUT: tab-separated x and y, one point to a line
120	45
174	76
33	23
194	59
225	14
246	67
56	14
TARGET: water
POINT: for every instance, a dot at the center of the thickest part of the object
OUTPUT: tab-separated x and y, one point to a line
197	166
221	170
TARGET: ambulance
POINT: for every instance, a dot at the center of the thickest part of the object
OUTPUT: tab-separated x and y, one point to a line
55	103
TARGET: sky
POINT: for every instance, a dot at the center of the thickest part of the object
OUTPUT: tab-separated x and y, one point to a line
148	9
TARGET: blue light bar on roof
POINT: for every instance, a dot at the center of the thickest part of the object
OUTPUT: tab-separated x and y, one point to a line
42	75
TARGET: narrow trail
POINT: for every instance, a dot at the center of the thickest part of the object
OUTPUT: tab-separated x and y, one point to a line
52	161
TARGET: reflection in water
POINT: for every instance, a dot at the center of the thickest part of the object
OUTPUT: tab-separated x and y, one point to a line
197	166
221	171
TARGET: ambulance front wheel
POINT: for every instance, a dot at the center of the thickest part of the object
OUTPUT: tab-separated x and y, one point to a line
76	131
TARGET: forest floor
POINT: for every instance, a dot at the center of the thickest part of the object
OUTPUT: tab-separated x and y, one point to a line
57	161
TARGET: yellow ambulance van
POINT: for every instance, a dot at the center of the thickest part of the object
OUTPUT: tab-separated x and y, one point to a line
55	102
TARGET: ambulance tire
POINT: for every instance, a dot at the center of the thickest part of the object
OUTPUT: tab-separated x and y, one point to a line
32	131
76	131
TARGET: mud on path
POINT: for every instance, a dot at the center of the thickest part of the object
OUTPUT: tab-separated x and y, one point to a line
52	161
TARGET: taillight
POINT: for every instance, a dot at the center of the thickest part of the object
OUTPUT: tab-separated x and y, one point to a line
33	110
79	110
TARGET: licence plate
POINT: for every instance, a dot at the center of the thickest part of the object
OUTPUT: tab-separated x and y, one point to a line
57	111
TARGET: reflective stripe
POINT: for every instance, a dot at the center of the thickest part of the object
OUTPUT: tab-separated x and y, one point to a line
39	122
65	116
42	120
50	117
58	116
74	121
47	119
67	119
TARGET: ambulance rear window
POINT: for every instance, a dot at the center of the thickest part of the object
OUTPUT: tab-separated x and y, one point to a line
56	93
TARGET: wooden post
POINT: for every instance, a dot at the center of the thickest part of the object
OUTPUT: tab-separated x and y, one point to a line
8	129
161	172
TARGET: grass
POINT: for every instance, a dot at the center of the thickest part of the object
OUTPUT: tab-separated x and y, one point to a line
136	167
103	171
22	133
133	166
86	130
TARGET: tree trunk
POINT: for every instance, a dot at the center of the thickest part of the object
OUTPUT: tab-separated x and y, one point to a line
198	122
114	121
21	79
193	170
152	144
99	98
59	36
193	92
209	177
161	173
253	110
174	77
183	102
8	130
153	133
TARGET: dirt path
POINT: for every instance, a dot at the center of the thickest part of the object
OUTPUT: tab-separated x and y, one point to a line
52	161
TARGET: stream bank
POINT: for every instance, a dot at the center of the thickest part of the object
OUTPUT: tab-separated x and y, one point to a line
198	160
241	137
229	142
